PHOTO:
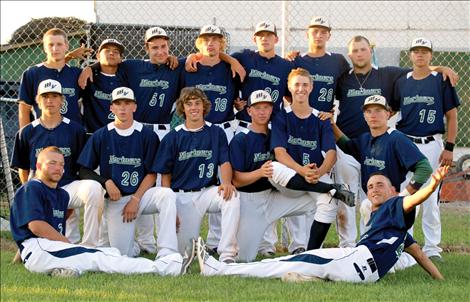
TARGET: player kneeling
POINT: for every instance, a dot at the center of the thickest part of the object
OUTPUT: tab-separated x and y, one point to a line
374	255
189	159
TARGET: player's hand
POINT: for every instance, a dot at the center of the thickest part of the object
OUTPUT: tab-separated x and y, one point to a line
446	158
291	55
191	62
266	170
129	213
313	174
178	223
172	62
80	53
449	73
239	104
86	74
438	176
227	191
112	190
323	115
237	68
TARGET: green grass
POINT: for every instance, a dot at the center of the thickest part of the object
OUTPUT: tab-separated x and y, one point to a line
17	284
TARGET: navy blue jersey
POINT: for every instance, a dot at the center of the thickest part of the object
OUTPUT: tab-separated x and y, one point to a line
351	98
248	152
192	157
68	136
97	100
391	153
67	77
125	157
423	103
388	237
36	201
263	74
325	72
219	86
304	139
156	88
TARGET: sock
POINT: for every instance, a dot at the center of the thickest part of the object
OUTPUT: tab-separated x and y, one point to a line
300	184
318	233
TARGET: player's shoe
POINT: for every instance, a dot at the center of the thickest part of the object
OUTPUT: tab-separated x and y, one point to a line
298	250
208	265
188	257
342	193
65	273
297	277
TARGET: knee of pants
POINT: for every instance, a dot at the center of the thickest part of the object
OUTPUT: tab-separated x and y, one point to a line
281	174
168	199
232	204
93	193
327	208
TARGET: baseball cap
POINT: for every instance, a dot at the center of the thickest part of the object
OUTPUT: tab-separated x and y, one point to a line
375	100
155	32
49	86
210	30
122	93
421	42
319	21
259	96
112	42
266	26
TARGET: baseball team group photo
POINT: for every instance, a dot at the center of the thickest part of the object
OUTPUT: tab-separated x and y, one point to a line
235	173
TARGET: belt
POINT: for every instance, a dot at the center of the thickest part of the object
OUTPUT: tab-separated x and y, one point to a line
421	140
189	190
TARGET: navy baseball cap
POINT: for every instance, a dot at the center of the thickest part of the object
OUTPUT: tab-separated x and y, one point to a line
122	93
259	96
112	42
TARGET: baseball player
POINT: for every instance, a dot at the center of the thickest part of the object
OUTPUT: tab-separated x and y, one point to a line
362	81
374	255
251	159
51	128
125	151
189	160
305	144
424	100
56	45
38	227
97	94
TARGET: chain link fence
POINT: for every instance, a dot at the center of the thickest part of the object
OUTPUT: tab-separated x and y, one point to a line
389	25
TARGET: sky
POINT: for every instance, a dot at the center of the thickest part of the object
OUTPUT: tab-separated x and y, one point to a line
14	14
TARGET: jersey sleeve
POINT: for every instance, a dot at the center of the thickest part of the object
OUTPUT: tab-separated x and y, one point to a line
151	143
450	97
395	210
20	158
396	99
327	137
408	153
344	67
237	149
29	205
279	131
26	93
90	155
352	147
166	155
223	146
409	240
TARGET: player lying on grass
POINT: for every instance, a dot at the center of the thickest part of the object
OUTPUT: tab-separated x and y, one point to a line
374	255
38	227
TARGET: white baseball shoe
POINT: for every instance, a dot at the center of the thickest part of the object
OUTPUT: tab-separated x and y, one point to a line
65	273
188	257
297	277
208	265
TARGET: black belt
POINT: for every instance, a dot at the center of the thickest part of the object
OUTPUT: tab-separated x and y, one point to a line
190	190
422	140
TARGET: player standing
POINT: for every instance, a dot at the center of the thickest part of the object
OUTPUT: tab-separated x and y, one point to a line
374	255
126	151
51	128
37	225
424	100
189	161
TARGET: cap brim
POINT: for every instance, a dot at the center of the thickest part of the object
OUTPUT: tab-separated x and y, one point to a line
414	47
266	31
126	99
211	34
119	46
385	107
315	25
157	36
268	102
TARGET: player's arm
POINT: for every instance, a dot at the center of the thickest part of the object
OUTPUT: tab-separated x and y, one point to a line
423	260
129	213
410	202
241	179
24	111
447	73
328	163
166	180
235	65
446	156
42	229
226	187
80	53
421	174
23	174
111	189
291	55
284	158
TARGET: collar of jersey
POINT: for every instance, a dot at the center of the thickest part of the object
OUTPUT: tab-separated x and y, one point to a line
37	122
410	74
373	67
315	112
182	126
126	132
